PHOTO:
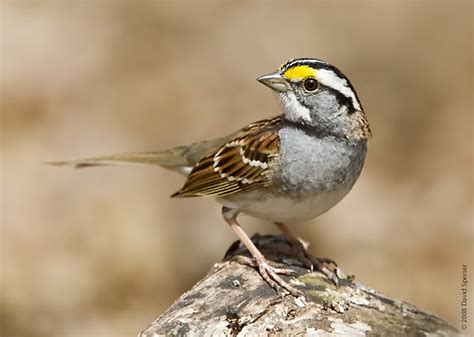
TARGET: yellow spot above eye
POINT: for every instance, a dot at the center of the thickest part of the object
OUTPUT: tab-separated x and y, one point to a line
299	72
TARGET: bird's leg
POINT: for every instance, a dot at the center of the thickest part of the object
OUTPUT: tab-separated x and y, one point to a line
308	260
268	273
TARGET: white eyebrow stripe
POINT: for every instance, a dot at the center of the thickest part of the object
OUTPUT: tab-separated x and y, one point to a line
330	79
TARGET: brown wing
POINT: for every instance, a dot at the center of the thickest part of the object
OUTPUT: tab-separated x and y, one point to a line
241	164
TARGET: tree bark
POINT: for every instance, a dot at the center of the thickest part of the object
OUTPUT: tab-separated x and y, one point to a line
233	300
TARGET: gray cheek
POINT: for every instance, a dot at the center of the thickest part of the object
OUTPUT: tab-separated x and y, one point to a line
327	113
323	105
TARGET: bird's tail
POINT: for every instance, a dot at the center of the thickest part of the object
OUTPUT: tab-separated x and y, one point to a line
180	159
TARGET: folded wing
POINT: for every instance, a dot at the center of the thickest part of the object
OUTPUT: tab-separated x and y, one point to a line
240	164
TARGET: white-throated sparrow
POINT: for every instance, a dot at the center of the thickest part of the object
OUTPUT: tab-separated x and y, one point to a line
285	169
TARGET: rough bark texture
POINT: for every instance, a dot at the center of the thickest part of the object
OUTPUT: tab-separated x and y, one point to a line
233	300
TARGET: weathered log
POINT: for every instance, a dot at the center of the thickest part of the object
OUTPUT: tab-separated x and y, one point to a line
233	300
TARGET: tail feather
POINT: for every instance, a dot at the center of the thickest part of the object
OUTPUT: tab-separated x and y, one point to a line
180	159
151	158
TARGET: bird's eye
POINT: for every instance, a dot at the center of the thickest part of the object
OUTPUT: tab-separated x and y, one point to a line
310	84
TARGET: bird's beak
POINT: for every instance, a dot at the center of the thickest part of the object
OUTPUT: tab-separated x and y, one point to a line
275	81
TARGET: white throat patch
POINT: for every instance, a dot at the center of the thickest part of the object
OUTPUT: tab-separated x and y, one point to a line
330	79
294	111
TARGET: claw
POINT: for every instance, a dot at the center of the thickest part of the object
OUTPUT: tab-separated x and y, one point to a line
319	264
270	274
309	261
321	267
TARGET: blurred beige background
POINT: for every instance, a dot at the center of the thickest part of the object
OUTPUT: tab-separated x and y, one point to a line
102	252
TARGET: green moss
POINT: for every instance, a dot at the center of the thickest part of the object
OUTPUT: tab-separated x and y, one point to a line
312	280
325	298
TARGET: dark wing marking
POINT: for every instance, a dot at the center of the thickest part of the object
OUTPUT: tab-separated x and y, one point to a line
241	164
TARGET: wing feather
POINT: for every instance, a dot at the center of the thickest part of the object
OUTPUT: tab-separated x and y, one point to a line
240	164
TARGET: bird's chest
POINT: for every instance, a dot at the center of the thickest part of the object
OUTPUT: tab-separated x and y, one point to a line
309	165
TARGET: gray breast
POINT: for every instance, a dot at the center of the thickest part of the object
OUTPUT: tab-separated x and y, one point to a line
310	164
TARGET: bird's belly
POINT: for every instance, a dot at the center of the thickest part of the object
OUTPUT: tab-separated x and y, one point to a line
278	208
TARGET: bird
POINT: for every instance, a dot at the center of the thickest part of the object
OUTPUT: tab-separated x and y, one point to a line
285	169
